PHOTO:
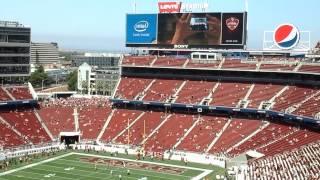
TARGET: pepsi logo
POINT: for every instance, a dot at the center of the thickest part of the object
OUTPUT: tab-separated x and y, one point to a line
141	26
286	36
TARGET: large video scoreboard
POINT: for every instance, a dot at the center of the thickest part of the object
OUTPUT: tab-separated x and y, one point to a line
188	30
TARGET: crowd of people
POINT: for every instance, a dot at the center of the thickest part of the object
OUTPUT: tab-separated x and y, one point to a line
26	158
77	102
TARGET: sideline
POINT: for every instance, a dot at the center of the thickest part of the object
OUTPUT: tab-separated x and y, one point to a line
34	164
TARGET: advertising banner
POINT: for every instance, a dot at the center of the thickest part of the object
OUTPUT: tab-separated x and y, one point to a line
232	28
187	30
141	29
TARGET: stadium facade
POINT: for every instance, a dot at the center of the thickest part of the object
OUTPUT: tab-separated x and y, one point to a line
14	51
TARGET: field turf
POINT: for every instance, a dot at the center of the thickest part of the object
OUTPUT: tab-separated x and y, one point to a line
83	166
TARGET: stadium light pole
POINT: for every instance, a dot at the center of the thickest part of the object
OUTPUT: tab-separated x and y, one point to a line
144	130
135	7
128	133
246	3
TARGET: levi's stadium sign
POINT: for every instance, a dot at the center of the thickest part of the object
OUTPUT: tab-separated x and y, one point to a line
169	7
179	7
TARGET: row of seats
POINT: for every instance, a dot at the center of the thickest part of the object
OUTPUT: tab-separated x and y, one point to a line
229	94
91	121
161	90
141	128
270	140
262	92
237	130
9	138
60	115
294	140
19	93
291	96
119	121
275	64
3	95
203	134
170	132
302	163
129	88
167	61
193	92
271	133
310	107
58	119
237	64
138	60
310	68
277	67
226	93
26	122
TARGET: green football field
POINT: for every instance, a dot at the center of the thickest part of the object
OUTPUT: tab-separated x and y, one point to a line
76	166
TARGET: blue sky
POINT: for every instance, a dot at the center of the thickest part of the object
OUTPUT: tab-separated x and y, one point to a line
100	24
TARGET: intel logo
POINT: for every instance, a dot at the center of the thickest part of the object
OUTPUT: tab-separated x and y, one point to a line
141	26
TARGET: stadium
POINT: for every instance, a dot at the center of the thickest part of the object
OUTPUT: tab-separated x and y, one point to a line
196	104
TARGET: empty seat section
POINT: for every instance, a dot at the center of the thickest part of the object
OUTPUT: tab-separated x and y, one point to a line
130	87
169	133
237	64
138	60
201	136
194	91
291	96
119	122
309	108
267	135
3	95
142	128
214	65
229	94
8	138
91	121
20	93
169	61
293	141
310	68
58	119
27	123
277	67
162	89
237	130
262	92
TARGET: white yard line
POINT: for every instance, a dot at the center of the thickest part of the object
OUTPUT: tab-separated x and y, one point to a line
38	174
34	164
202	175
64	172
